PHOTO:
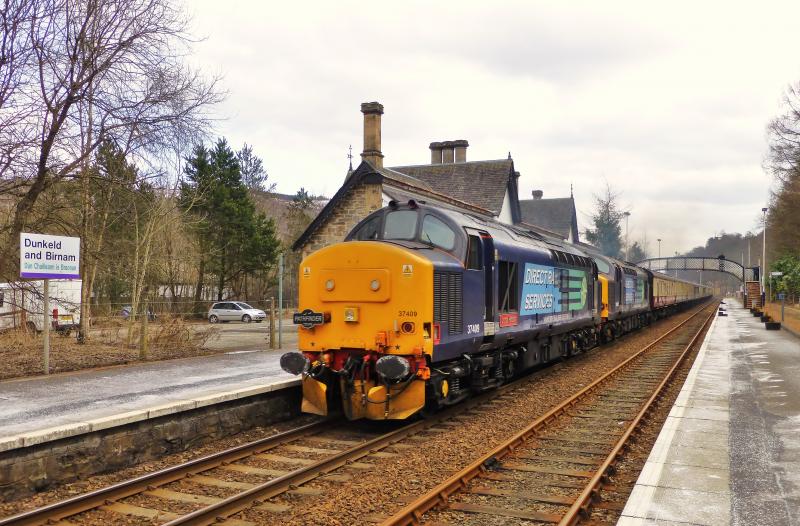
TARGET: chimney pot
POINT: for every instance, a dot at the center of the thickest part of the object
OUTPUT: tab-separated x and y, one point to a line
436	153
372	133
537	194
447	152
460	147
372	107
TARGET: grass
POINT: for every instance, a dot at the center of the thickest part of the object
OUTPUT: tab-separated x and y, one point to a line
21	352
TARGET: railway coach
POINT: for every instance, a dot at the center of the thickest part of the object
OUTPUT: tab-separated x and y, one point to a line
423	305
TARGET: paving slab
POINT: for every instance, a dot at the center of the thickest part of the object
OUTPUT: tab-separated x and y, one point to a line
41	409
729	452
682	506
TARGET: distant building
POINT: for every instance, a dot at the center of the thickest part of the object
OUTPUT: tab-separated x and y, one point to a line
485	188
557	215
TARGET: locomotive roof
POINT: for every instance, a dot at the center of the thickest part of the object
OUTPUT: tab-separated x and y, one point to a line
508	233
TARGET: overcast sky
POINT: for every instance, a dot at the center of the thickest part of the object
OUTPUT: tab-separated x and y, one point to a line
666	103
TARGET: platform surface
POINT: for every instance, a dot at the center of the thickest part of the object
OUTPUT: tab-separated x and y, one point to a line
44	408
729	452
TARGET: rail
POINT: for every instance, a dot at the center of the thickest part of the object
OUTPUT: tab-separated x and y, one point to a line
94	499
440	495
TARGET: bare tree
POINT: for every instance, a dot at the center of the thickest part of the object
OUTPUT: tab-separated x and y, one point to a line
783	162
146	223
784	138
80	72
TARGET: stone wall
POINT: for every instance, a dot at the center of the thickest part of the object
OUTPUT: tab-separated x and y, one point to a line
357	204
27	470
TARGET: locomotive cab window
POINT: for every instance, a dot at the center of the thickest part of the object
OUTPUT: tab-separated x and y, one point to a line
400	224
508	298
369	230
602	266
436	232
474	254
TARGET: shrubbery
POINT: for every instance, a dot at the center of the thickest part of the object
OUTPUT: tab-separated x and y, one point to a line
789	282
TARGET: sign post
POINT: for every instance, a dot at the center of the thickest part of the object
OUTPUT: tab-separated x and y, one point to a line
46	257
46	326
280	301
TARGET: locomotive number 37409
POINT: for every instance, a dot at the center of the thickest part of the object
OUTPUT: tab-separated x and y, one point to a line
407	313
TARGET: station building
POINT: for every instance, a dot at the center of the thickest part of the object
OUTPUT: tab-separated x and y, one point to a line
487	188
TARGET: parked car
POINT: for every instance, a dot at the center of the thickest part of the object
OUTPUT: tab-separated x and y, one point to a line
226	311
125	312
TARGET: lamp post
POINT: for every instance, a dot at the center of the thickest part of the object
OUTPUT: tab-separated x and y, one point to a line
764	255
659	247
627	215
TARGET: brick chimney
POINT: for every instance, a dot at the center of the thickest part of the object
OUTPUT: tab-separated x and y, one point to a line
537	194
460	147
372	133
436	153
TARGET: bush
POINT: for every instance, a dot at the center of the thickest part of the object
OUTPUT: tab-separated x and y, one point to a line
789	282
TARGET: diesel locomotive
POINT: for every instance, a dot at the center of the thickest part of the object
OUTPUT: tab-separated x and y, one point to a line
423	305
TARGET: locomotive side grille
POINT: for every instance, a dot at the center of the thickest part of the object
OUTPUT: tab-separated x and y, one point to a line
447	300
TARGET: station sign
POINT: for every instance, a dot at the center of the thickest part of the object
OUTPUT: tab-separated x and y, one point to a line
42	256
776	274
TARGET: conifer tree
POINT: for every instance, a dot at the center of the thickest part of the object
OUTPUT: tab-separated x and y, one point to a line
606	234
233	239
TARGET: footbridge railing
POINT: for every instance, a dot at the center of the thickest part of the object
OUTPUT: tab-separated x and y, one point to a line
717	264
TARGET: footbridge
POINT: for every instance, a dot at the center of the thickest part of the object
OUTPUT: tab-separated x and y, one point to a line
716	264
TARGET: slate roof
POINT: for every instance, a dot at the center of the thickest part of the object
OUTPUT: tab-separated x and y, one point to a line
557	215
480	183
402	187
477	186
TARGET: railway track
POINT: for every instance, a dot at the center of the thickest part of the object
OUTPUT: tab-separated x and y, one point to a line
224	483
212	489
552	471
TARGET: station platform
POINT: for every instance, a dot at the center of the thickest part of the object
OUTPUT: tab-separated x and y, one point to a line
42	409
729	452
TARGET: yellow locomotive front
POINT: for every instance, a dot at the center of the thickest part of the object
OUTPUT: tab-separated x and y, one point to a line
365	320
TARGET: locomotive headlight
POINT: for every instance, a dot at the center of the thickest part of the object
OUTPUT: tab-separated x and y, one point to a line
295	363
329	285
374	285
393	367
